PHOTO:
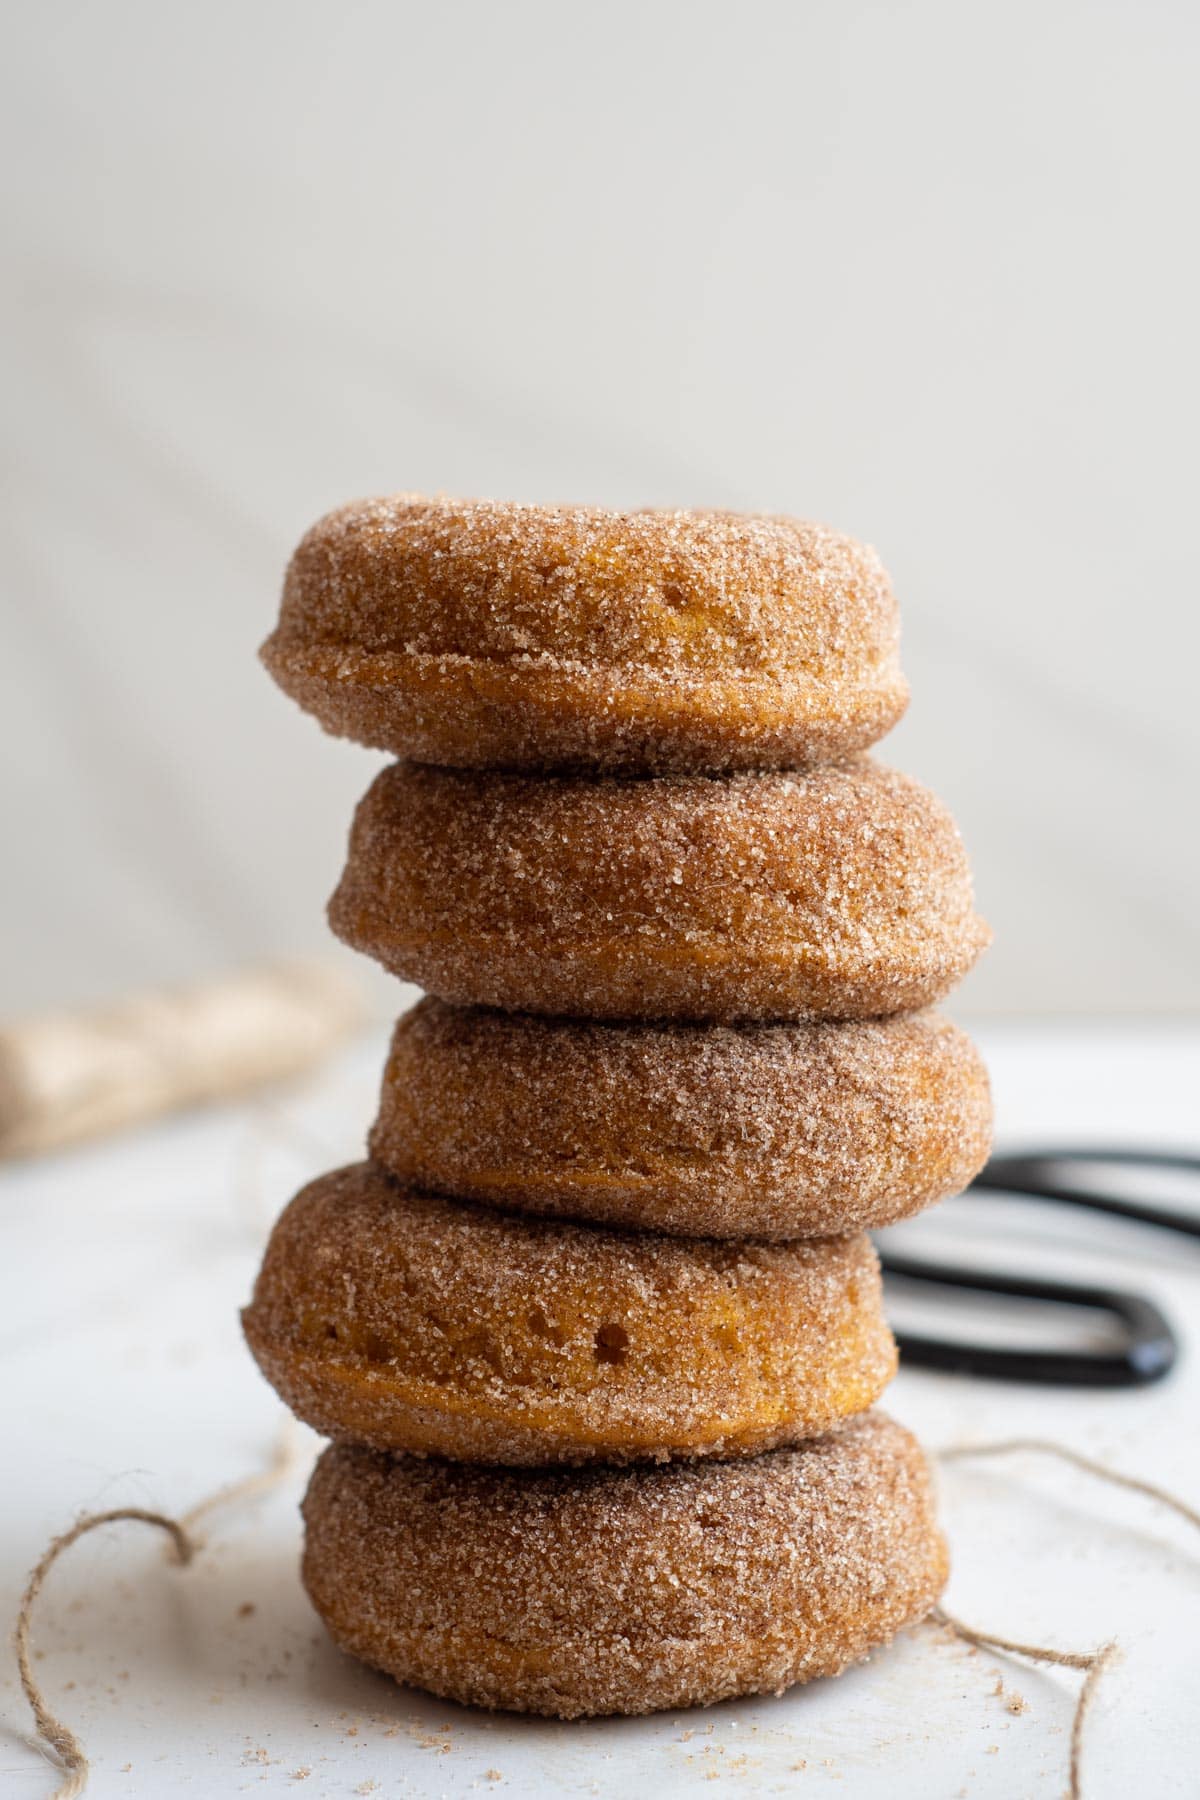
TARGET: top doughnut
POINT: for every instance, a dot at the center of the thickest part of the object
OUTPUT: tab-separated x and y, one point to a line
486	634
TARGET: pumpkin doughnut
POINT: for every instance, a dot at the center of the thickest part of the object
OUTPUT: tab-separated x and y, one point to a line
477	633
760	1131
574	1592
401	1320
842	892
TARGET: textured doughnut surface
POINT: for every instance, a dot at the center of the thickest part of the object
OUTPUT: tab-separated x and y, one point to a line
624	1591
842	892
476	633
407	1322
761	1131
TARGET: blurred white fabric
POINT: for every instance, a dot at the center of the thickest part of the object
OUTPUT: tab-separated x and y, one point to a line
927	272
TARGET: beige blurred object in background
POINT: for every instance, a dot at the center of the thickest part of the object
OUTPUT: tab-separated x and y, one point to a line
66	1077
928	273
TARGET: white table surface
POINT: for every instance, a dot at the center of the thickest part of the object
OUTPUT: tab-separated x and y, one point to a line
125	1382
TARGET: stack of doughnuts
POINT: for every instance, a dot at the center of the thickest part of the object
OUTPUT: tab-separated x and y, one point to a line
596	1331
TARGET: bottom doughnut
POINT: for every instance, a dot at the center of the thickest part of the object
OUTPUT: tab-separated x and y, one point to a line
572	1593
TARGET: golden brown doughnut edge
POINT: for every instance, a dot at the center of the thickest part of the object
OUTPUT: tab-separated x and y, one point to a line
486	634
624	1591
411	1323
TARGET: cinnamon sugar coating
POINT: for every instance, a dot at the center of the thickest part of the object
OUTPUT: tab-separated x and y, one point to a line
761	1131
571	1593
387	1317
478	633
839	892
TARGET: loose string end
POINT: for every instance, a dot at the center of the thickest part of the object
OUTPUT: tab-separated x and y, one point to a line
183	1544
50	1728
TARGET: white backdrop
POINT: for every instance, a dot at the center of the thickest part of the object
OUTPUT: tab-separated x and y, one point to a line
926	271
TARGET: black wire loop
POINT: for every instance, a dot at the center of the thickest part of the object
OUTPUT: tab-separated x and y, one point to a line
1148	1348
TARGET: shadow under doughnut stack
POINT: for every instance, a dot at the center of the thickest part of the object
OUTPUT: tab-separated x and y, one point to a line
597	1330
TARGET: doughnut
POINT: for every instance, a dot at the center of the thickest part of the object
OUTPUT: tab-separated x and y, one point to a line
841	892
576	1592
401	1320
477	633
761	1131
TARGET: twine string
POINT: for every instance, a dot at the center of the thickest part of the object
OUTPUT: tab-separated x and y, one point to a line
286	1455
1092	1662
284	1460
55	1731
184	1545
1036	1446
